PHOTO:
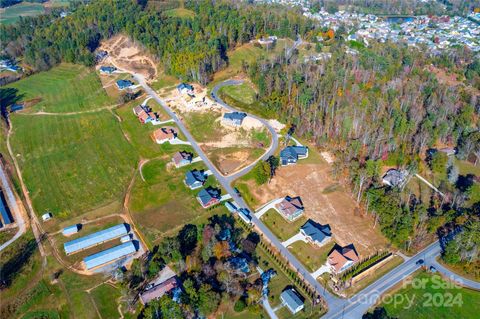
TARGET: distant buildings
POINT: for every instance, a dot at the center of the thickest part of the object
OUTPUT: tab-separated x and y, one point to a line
208	197
182	158
315	233
395	178
292	300
9	65
268	40
195	179
234	118
290	208
291	154
342	258
164	134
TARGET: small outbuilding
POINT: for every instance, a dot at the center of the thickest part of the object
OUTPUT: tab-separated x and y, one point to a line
70	230
47	216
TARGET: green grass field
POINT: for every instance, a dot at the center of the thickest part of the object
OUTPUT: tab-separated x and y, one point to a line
180	13
162	203
433	298
66	88
104	296
72	164
243	92
311	256
12	14
280	226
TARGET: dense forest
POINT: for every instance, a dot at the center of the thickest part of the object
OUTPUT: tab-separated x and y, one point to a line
188	48
383	106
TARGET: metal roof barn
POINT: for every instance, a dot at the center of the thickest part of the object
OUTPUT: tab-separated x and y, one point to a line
70	230
109	255
95	238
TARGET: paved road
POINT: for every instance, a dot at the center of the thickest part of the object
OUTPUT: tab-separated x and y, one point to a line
354	307
12	203
273	133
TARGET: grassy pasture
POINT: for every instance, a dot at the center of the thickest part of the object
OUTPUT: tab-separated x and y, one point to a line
162	203
72	164
103	297
66	88
435	298
12	14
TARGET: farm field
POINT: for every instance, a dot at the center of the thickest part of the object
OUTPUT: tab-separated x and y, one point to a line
12	14
66	88
72	164
436	299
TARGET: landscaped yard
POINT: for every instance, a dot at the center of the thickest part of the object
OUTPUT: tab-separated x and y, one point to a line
66	88
280	226
312	257
72	164
433	298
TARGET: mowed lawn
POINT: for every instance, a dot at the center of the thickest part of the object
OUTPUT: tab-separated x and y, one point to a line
72	164
243	92
433	297
311	256
66	88
12	14
280	226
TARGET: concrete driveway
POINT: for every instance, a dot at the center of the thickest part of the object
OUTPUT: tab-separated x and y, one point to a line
297	237
259	213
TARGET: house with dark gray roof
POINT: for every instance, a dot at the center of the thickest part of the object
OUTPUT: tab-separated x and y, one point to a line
209	196
291	154
395	178
107	69
234	118
316	233
292	300
185	88
195	179
124	84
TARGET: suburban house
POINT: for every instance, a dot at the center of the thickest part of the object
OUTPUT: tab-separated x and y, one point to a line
342	258
195	179
291	154
165	282
107	69
147	117
124	84
184	88
234	118
290	208
164	134
395	178
209	196
292	300
182	158
316	233
268	40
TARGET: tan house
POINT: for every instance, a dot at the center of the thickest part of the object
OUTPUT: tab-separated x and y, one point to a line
290	207
342	258
164	134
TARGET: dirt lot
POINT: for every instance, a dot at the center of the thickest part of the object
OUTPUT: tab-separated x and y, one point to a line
326	202
126	55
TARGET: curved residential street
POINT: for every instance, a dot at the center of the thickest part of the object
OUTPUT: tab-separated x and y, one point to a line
354	307
273	133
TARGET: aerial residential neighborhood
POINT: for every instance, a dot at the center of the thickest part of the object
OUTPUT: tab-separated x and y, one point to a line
240	159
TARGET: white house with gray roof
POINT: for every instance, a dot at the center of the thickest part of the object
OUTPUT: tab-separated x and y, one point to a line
292	300
316	233
234	118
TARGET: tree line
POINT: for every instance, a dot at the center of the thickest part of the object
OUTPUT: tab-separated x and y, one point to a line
192	49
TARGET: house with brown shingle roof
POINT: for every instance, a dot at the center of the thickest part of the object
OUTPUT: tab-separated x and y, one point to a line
182	158
342	258
290	207
164	134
